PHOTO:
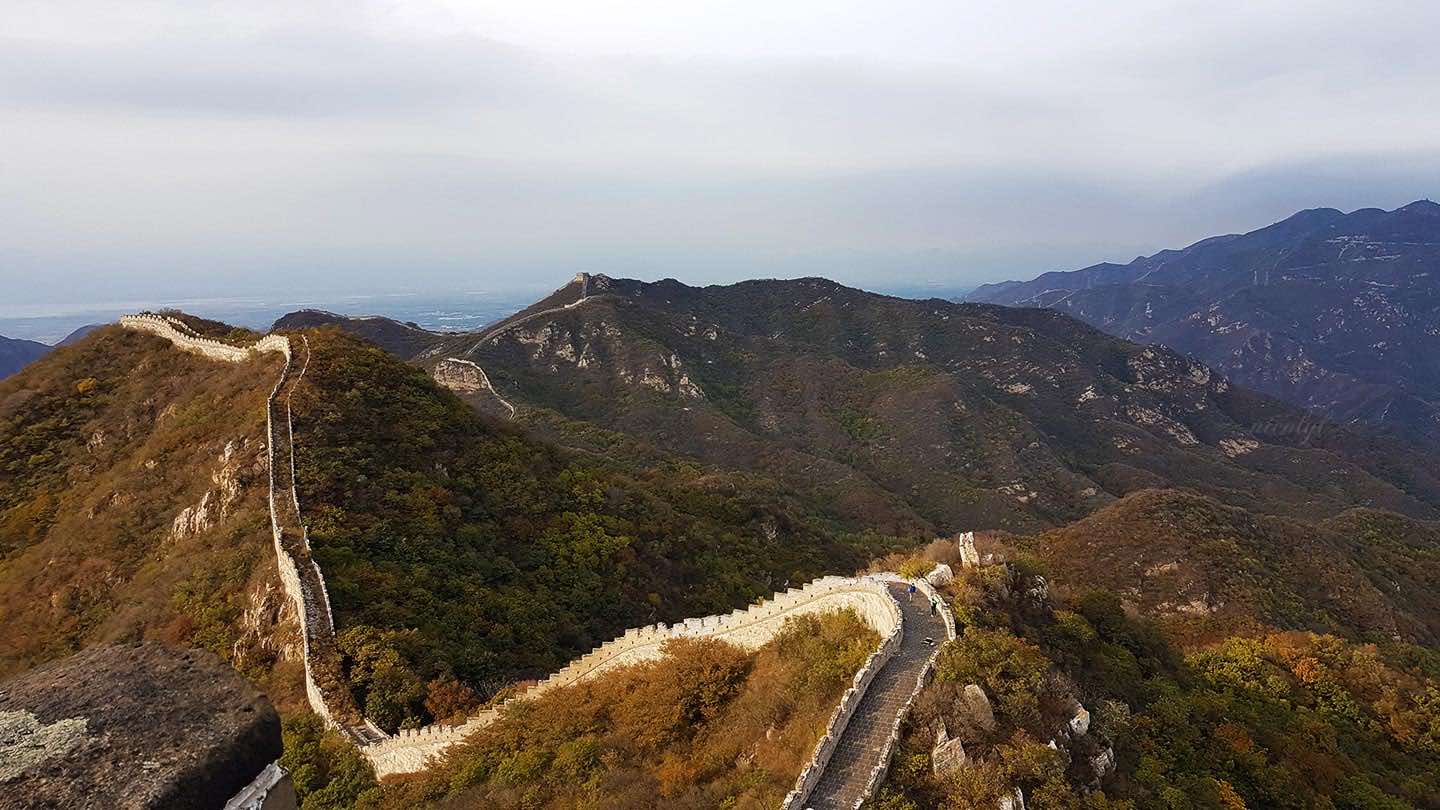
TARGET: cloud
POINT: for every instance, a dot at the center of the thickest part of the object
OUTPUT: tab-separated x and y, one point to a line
388	145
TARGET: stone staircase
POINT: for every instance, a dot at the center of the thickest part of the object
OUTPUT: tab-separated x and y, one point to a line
862	755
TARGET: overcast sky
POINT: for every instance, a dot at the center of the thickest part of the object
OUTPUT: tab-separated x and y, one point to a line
203	147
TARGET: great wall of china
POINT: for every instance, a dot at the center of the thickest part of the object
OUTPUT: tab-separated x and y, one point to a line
902	663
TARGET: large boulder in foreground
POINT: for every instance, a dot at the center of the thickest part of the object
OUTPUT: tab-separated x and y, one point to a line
133	726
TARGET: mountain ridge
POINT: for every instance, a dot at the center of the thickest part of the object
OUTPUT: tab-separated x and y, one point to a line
16	353
794	377
1333	311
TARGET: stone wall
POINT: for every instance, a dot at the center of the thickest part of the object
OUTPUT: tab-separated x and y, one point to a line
311	603
185	338
271	790
409	750
810	775
466	377
877	776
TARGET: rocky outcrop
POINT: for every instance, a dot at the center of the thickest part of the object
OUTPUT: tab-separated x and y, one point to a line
969	556
977	708
460	376
947	755
241	462
1079	722
193	519
134	726
467	377
1103	763
941	574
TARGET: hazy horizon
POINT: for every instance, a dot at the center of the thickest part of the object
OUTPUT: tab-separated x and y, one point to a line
296	151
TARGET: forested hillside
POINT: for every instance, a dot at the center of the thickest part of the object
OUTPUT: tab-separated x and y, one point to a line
132	505
895	413
1073	694
461	554
1209	570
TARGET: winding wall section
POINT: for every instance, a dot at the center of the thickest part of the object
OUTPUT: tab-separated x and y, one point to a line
409	750
849	759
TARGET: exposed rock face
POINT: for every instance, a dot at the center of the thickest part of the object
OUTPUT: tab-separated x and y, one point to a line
132	726
969	557
1287	309
1103	763
1079	721
240	463
977	707
947	756
941	575
193	519
268	628
458	376
1038	591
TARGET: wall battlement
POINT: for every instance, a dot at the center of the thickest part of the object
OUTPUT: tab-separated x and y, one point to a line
409	750
183	337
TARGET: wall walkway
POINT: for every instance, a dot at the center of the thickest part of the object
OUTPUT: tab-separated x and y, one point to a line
862	754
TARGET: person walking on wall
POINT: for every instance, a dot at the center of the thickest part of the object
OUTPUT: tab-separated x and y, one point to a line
910	594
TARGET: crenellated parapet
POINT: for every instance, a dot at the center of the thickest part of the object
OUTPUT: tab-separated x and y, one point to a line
750	628
183	337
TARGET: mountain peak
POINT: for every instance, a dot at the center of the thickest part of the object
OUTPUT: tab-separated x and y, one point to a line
1425	207
1285	308
1305	220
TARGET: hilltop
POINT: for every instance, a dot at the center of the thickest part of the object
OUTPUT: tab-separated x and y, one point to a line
1209	570
401	339
1331	311
132	497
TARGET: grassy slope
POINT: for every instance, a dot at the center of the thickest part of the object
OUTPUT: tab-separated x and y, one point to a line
708	726
1214	570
